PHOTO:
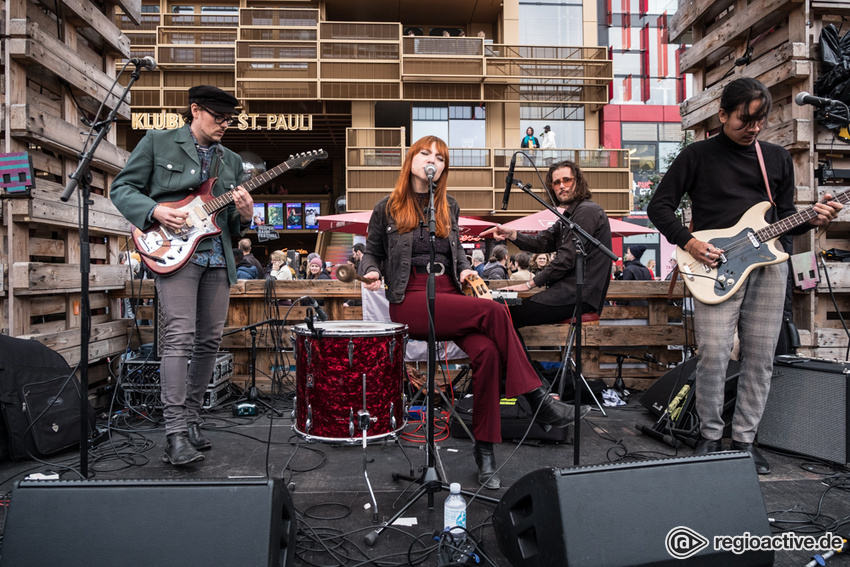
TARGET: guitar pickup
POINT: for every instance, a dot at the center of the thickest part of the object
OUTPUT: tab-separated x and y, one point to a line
753	240
688	272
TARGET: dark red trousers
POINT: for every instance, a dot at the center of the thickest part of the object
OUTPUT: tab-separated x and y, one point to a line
483	329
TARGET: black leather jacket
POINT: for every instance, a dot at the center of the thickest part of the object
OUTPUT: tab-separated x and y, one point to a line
388	252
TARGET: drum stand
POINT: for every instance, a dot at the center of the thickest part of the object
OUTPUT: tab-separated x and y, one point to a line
429	482
364	420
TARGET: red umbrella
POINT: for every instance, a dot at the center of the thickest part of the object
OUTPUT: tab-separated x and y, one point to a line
358	223
546	218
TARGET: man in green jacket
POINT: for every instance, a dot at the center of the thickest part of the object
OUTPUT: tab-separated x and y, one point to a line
167	166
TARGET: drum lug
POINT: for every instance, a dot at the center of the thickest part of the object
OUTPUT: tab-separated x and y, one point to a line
309	380
351	422
350	353
392	349
392	416
294	408
308	425
309	353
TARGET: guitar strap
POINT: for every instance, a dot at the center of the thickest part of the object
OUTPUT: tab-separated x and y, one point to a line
764	173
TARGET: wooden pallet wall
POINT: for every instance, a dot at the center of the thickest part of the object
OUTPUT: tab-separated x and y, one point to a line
776	42
58	60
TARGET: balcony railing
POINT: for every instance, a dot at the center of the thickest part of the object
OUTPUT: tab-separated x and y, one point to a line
374	156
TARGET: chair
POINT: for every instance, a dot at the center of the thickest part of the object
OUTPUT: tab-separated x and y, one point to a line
590	319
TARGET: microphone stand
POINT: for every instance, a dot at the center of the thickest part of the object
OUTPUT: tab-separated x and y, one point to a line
252	394
581	240
429	482
82	177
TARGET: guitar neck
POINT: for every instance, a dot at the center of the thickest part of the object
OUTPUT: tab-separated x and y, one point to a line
222	201
791	222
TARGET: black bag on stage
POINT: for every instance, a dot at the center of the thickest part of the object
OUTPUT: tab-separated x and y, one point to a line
515	418
39	400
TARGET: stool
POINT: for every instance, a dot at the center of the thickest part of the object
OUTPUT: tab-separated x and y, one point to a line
586	319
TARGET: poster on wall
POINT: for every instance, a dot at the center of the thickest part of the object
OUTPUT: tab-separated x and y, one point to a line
311	211
293	216
259	217
275	215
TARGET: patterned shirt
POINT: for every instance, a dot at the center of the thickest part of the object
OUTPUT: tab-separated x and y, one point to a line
213	258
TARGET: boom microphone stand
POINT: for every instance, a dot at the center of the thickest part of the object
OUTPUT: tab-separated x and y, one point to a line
82	177
252	394
581	240
429	482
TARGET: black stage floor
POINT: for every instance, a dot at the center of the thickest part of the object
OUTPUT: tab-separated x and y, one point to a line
330	493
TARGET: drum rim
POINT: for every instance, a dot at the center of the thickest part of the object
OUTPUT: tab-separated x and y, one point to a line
387	328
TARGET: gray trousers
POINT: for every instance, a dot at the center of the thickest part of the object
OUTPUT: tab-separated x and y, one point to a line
755	312
194	303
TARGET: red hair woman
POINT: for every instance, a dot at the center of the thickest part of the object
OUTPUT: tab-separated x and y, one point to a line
397	249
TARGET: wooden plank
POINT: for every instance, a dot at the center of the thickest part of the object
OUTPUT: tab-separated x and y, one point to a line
47	247
38	277
88	15
40	48
54	133
688	13
45	207
605	335
107	339
132	9
760	13
757	68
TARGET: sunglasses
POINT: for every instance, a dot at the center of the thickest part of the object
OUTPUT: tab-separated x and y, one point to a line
565	181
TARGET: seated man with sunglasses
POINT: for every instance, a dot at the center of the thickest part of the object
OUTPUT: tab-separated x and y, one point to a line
165	167
568	187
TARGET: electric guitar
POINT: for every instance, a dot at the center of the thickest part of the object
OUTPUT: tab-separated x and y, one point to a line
165	251
747	245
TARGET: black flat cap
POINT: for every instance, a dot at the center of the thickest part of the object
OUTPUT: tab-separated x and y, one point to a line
213	98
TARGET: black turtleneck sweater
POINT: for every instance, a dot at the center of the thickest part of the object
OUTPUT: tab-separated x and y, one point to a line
723	180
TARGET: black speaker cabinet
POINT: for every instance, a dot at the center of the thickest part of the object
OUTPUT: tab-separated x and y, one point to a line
657	397
150	522
807	409
627	515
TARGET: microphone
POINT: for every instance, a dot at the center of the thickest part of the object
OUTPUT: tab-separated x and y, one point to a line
144	62
805	98
430	171
649	358
320	313
509	180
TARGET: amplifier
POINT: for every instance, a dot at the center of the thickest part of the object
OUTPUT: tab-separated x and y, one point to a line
807	409
141	373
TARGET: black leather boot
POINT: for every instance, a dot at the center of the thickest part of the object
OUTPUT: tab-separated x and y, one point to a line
552	413
197	440
485	459
179	450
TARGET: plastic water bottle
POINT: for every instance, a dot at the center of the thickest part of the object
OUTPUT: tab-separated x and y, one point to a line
454	513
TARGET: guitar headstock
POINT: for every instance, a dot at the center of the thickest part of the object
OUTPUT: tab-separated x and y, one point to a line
300	161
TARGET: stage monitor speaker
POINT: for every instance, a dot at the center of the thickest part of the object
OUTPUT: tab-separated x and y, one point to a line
807	409
630	514
214	523
657	397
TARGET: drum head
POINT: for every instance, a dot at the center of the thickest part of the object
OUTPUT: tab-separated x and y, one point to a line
351	328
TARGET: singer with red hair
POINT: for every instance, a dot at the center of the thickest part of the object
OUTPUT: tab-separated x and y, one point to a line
397	249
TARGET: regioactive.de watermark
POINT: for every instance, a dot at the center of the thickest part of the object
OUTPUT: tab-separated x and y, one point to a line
683	542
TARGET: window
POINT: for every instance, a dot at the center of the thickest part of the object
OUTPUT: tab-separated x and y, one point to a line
550	23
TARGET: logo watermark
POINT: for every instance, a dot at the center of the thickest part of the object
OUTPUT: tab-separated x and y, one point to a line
682	542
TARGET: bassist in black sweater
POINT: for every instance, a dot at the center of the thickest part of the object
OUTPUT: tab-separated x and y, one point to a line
724	179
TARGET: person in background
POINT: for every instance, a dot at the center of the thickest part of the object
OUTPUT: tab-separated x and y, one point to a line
316	269
538	263
398	251
724	179
651	267
496	268
478	262
245	247
523	261
244	269
357	253
632	268
547	142
167	166
280	266
531	143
